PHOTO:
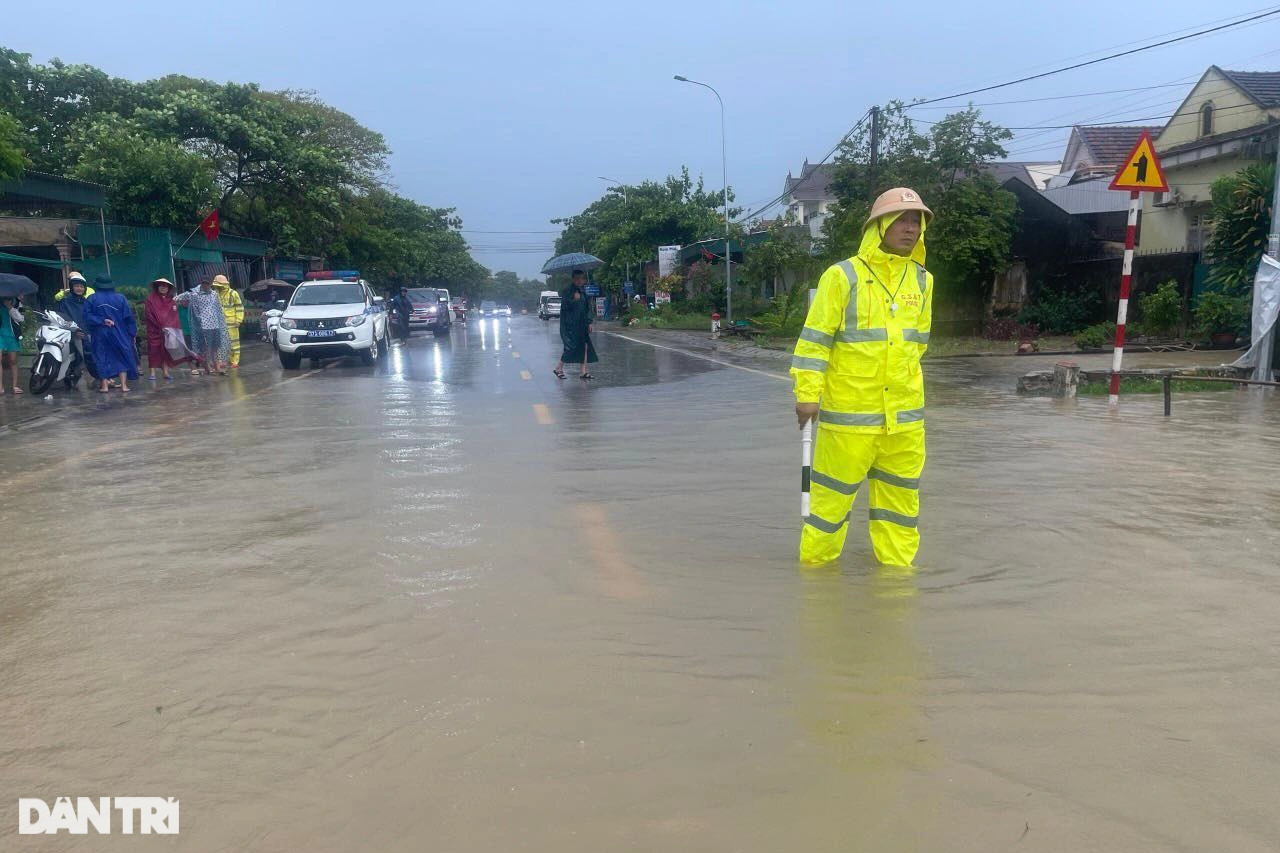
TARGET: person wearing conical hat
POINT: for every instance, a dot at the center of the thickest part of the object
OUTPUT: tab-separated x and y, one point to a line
857	372
233	308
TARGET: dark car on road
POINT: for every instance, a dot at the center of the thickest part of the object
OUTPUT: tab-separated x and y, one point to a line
430	310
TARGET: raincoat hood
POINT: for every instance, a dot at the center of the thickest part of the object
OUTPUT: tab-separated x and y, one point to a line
873	235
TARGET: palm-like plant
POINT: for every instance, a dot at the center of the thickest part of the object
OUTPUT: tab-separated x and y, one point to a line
1241	217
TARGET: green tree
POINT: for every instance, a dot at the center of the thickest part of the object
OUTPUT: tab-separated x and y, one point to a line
1242	205
675	211
49	101
971	234
396	241
13	161
149	181
283	162
789	249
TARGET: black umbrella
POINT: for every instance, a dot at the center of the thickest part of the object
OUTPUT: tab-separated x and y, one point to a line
16	285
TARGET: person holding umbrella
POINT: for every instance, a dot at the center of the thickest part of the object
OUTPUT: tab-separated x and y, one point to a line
10	331
575	327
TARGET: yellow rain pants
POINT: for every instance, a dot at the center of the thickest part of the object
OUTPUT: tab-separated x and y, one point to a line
233	311
891	466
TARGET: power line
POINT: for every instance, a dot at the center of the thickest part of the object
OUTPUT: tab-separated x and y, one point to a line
821	162
1107	58
1049	98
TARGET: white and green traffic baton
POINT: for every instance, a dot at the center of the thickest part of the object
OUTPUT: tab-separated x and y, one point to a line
806	466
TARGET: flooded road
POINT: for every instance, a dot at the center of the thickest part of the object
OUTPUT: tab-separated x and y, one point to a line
455	604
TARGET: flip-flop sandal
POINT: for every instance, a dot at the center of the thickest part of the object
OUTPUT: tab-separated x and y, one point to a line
151	379
104	390
560	374
587	376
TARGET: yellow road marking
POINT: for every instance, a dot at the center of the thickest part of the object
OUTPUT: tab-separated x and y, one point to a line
618	577
543	414
526	375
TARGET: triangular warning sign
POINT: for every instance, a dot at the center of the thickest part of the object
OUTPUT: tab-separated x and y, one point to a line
1141	171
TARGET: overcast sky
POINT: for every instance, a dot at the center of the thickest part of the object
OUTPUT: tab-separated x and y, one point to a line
509	111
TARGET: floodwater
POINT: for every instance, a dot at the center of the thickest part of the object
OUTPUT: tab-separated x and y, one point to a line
440	606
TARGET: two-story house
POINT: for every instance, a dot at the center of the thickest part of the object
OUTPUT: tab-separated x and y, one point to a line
809	197
1228	121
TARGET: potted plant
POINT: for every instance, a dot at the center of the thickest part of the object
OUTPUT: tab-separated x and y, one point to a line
1221	317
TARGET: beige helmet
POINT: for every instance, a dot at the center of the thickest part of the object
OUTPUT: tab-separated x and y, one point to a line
76	276
220	280
897	200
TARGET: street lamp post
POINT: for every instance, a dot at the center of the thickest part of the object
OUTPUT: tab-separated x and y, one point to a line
724	163
624	204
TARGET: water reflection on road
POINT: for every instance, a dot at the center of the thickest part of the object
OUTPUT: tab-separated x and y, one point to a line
455	603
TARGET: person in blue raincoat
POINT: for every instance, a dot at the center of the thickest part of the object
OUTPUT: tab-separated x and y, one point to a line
112	329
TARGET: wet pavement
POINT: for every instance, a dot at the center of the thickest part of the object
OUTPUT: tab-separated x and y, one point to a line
453	603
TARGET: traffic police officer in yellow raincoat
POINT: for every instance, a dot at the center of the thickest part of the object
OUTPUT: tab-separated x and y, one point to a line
857	371
233	310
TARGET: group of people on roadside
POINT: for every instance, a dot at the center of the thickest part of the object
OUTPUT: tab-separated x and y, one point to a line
105	343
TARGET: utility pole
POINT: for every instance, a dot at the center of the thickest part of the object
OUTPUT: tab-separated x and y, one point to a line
875	148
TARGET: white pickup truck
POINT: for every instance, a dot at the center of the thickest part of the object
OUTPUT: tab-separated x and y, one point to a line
332	318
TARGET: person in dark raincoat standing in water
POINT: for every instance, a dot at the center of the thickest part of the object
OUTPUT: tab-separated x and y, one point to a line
112	328
575	327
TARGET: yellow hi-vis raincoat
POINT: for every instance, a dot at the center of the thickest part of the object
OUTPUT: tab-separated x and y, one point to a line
233	310
859	356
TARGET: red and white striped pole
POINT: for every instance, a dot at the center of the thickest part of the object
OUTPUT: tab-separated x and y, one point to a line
1122	315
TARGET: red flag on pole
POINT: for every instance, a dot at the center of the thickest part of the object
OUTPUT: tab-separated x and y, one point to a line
210	227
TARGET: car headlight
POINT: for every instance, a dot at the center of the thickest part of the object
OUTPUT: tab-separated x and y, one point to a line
288	324
356	320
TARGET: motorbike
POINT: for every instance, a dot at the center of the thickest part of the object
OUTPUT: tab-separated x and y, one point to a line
271	322
460	312
54	355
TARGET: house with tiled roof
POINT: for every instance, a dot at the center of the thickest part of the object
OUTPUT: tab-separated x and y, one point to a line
809	197
1229	120
1095	151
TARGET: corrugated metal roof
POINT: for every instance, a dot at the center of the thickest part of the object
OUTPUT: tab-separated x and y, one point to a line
1088	197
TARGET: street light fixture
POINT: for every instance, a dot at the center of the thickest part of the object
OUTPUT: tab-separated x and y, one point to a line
624	204
724	162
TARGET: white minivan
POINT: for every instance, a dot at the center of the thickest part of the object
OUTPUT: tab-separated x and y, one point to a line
330	318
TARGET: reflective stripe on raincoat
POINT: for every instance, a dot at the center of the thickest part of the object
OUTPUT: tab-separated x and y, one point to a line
857	355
